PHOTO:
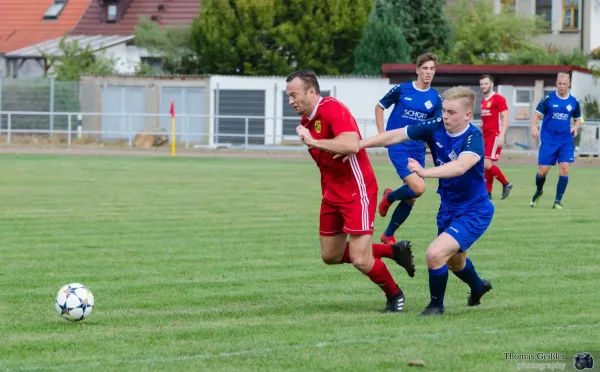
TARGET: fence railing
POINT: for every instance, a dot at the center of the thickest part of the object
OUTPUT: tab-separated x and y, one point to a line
195	131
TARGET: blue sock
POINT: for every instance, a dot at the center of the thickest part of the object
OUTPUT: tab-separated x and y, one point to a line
469	276
438	278
539	182
398	217
403	193
561	186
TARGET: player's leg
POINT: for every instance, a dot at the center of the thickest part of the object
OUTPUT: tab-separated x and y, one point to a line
547	157
414	187
358	223
448	251
335	249
466	229
492	154
566	156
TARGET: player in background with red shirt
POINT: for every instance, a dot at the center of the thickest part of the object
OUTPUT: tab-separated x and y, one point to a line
349	189
493	111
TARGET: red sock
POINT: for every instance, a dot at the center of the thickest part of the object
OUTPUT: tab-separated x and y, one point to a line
382	251
346	257
379	251
489	180
498	174
380	275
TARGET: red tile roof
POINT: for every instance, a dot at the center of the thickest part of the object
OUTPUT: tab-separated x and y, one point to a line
176	12
22	22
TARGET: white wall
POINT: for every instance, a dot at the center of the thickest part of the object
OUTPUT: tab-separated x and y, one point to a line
594	26
583	84
128	57
359	94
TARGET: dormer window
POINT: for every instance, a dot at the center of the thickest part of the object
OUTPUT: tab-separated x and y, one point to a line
55	9
112	13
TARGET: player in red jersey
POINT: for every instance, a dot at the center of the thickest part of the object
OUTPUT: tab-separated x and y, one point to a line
493	107
349	189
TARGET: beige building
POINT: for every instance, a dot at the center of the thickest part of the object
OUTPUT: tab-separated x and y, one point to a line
574	23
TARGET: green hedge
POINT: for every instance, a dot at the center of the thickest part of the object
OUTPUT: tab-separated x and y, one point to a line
34	95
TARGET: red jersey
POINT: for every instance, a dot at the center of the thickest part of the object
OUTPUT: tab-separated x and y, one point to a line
490	112
340	181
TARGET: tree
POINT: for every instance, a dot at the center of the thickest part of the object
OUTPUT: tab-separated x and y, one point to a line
74	61
171	44
237	37
423	23
382	42
481	37
322	35
258	37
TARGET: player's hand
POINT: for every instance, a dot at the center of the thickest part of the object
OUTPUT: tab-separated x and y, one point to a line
414	166
304	135
500	141
535	133
345	157
574	131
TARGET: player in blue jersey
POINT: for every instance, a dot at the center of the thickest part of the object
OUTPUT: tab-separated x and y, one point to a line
465	211
413	102
556	137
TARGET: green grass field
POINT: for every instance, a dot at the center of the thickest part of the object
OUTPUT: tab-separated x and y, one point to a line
214	264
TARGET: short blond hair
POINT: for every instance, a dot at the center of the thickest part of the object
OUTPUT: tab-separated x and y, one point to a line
465	94
563	74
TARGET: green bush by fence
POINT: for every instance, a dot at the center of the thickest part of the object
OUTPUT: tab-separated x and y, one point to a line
37	95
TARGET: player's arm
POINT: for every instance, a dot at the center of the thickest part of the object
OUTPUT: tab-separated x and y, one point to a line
503	108
420	131
470	154
539	113
576	119
455	168
345	143
389	99
438	108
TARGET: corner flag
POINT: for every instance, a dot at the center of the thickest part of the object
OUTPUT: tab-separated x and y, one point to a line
172	111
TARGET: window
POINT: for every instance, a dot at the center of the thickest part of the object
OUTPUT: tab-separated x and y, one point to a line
111	13
55	9
508	5
543	8
523	96
570	11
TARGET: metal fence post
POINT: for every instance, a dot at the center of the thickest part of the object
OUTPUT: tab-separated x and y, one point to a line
8	128
130	130
246	131
51	108
187	131
69	129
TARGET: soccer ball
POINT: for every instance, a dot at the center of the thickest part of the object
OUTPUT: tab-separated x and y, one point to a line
74	302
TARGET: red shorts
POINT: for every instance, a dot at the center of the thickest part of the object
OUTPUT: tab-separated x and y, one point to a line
490	141
355	217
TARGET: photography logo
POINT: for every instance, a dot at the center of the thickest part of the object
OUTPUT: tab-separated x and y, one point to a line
582	361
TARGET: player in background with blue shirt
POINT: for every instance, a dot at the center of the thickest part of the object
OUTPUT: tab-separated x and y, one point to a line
557	109
413	102
465	210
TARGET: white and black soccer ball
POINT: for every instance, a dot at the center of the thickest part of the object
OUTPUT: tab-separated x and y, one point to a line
74	302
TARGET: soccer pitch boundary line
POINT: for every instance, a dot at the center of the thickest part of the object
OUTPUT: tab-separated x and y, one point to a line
256	352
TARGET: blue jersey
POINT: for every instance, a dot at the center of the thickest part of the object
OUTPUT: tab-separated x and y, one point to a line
462	192
557	112
411	106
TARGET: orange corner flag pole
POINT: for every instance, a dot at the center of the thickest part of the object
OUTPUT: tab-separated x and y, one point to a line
172	128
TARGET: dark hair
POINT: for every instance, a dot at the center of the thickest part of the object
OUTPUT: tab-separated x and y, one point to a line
426	57
486	76
309	79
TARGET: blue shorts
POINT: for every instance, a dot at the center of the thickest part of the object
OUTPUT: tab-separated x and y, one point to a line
552	152
466	226
399	159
